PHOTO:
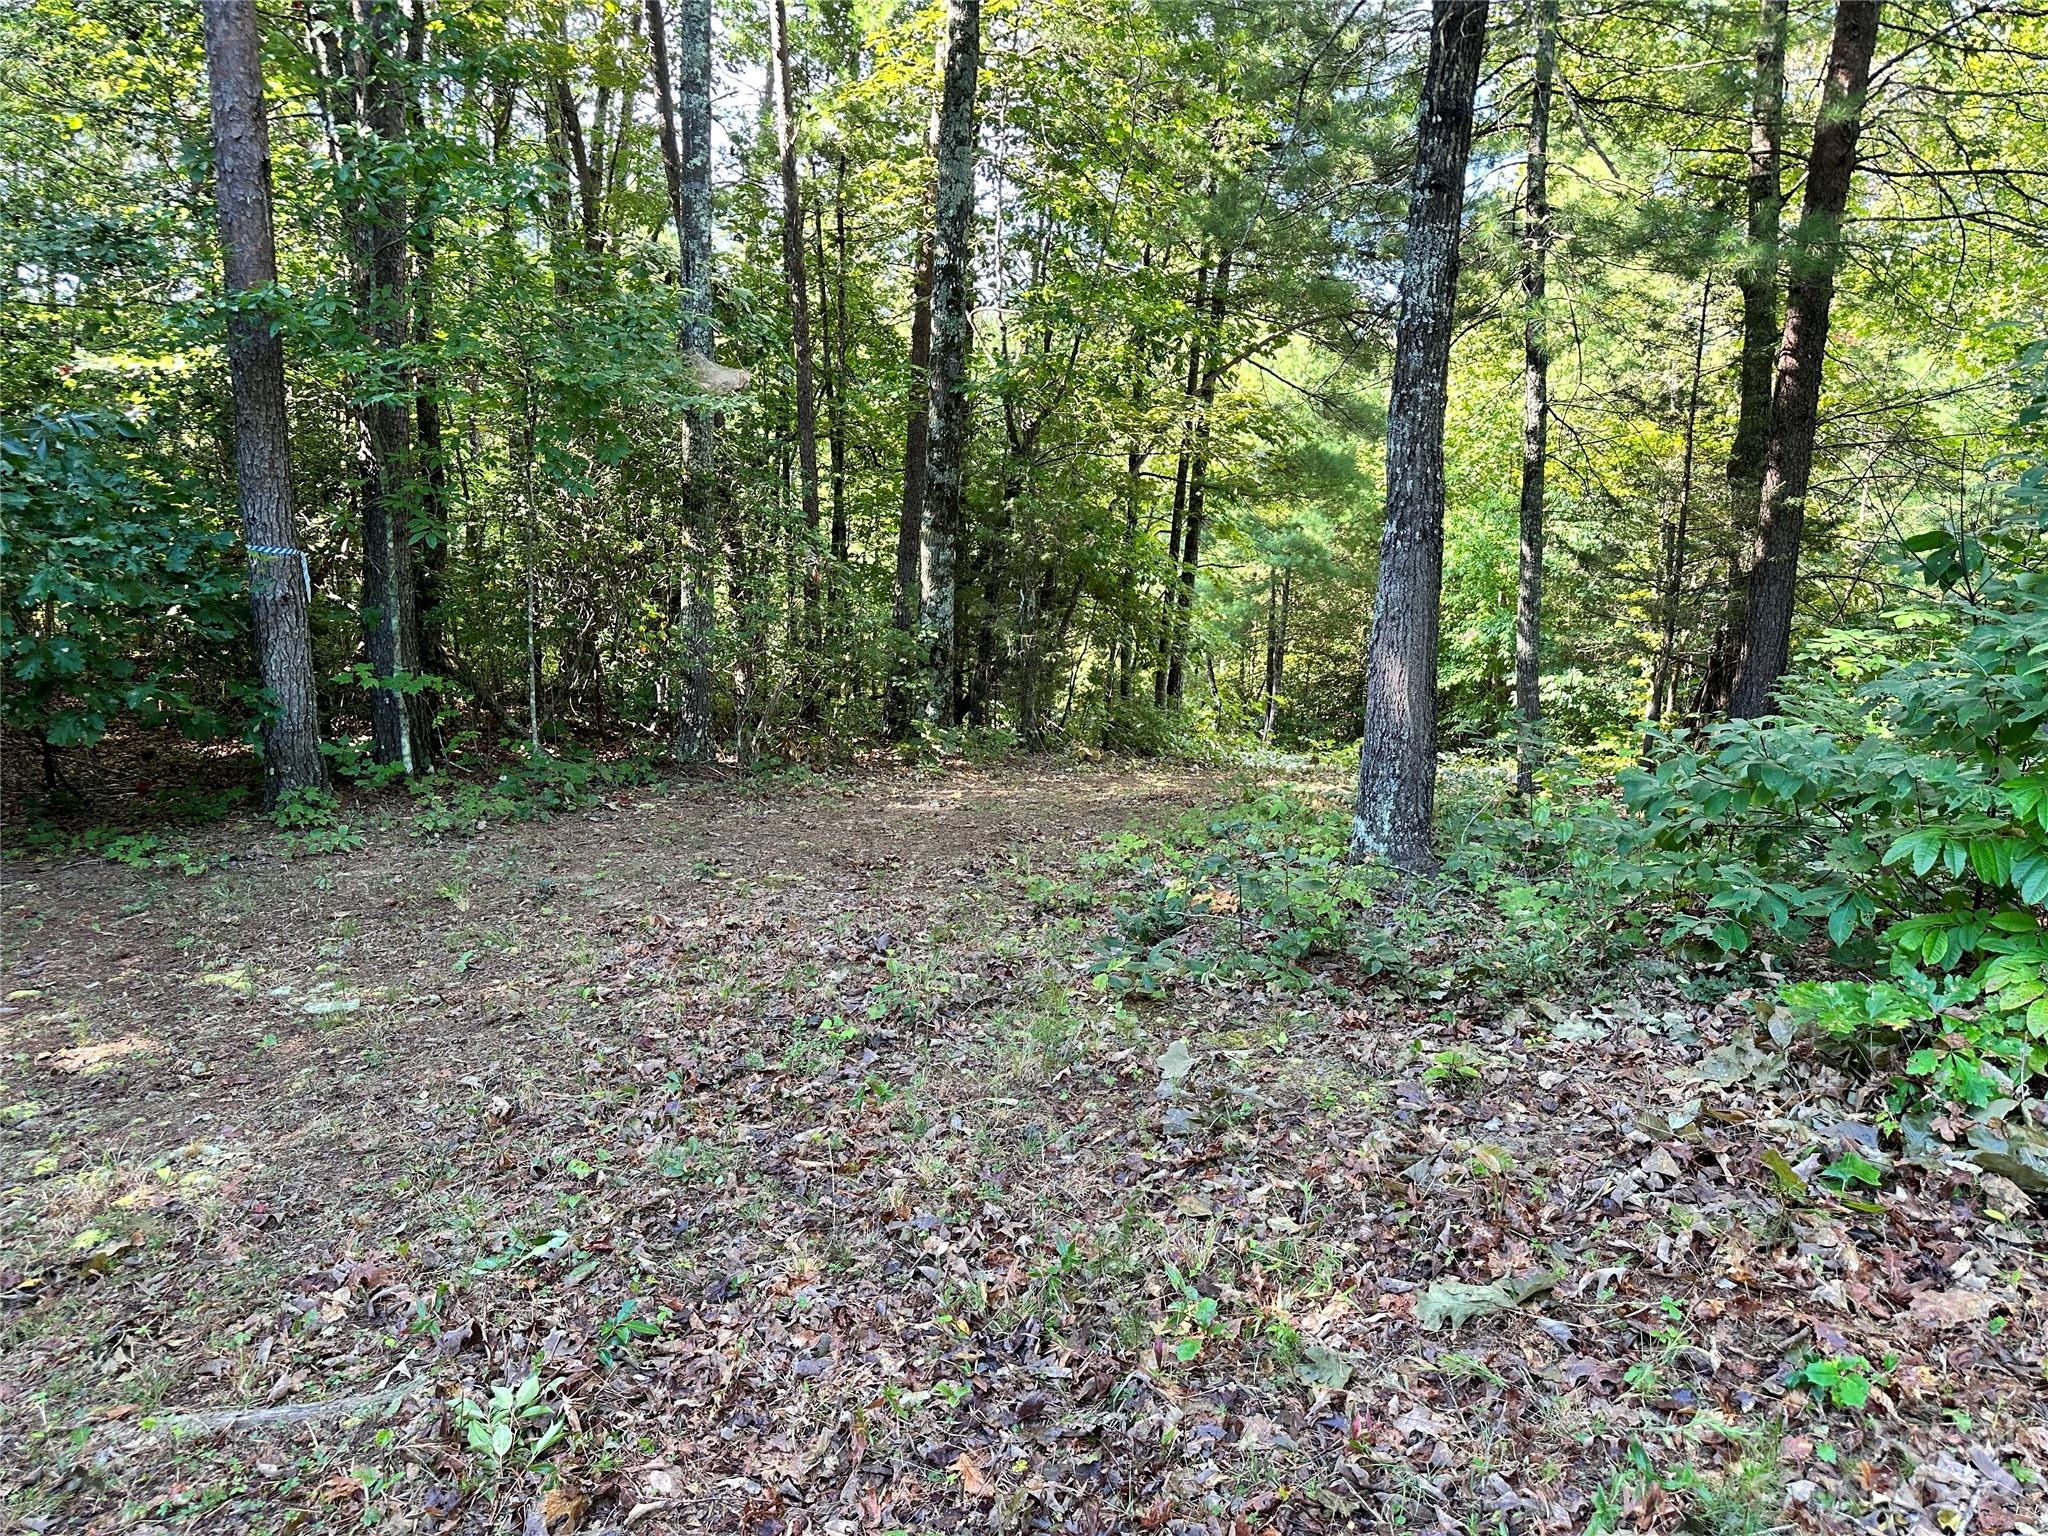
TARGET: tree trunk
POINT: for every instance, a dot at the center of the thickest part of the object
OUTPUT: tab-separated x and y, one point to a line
1663	675
1126	660
278	599
1758	279
797	281
907	595
1814	252
946	452
1198	482
1278	606
1397	763
433	454
832	305
390	589
1535	410
1163	660
684	102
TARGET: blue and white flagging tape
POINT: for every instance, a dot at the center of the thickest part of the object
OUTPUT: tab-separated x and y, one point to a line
276	553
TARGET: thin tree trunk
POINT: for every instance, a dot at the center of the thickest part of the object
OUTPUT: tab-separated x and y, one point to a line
797	280
1162	665
684	102
1198	482
1397	762
1126	661
530	579
1535	410
390	590
1663	674
430	643
1758	278
1815	253
907	594
836	353
278	599
946	455
1279	597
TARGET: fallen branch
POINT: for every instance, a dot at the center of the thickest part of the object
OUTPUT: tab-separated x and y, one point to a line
232	1420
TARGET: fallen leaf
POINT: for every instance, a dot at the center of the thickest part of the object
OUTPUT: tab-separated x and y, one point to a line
1174	1064
1603	1376
1951	1309
1457	1302
971	1479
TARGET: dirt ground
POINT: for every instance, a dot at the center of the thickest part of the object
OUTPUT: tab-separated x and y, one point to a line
761	1159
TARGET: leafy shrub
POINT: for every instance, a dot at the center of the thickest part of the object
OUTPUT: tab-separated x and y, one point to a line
1257	888
525	789
313	824
1903	821
115	596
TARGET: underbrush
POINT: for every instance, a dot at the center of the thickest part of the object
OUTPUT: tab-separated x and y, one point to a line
1884	840
471	789
1261	889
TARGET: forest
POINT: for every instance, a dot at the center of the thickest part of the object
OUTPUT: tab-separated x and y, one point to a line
893	765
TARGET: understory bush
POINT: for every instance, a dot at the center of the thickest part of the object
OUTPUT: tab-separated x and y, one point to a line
1261	889
118	597
1902	822
1890	828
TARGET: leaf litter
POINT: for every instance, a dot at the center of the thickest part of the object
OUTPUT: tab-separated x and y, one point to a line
764	1162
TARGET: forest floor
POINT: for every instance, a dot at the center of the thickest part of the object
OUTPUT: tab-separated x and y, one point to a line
763	1160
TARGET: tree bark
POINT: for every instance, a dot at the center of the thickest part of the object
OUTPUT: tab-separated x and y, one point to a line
1279	606
1125	663
1535	409
907	593
432	643
390	585
1191	388
1815	254
1397	762
797	280
1664	674
684	102
1189	572
278	600
1758	279
832	315
946	451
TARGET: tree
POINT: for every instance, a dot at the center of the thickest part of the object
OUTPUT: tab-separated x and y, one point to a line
952	335
278	594
1206	364
1535	406
1397	761
798	284
1757	276
685	108
367	96
1814	256
906	588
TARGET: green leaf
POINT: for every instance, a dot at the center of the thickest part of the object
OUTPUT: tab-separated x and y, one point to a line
1789	1181
1842	923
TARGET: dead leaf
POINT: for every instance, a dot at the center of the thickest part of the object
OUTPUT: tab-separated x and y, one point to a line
1457	1302
1174	1064
84	1058
1603	1376
1951	1309
557	1512
1420	1421
972	1481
